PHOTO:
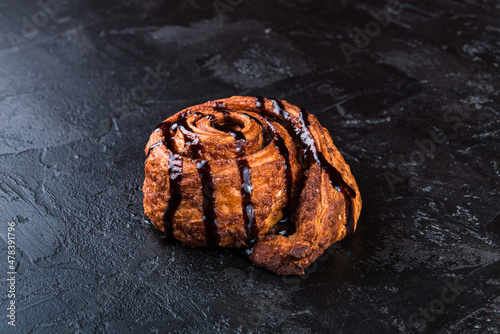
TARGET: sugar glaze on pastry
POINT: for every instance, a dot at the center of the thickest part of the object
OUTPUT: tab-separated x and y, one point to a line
253	173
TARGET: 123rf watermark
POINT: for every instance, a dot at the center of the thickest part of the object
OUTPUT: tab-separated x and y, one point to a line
11	273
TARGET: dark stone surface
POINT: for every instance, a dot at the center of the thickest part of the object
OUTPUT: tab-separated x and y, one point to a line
73	126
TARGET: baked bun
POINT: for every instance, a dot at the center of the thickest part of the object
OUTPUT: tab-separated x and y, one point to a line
253	173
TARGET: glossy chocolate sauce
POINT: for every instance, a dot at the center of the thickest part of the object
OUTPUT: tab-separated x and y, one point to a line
246	198
192	140
280	144
208	190
175	178
299	130
247	207
207	183
259	102
311	154
219	105
246	184
160	127
334	175
283	149
193	144
153	146
229	126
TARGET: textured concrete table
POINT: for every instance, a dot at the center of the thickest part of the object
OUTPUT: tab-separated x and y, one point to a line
409	92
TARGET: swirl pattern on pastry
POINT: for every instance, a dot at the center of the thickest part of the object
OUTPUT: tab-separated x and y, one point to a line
250	172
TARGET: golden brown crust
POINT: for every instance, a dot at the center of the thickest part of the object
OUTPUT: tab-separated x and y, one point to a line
320	211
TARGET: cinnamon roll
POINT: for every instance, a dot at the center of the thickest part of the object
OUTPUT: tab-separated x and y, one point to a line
254	173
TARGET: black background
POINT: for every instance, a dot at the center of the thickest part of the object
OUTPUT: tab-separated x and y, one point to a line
415	114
